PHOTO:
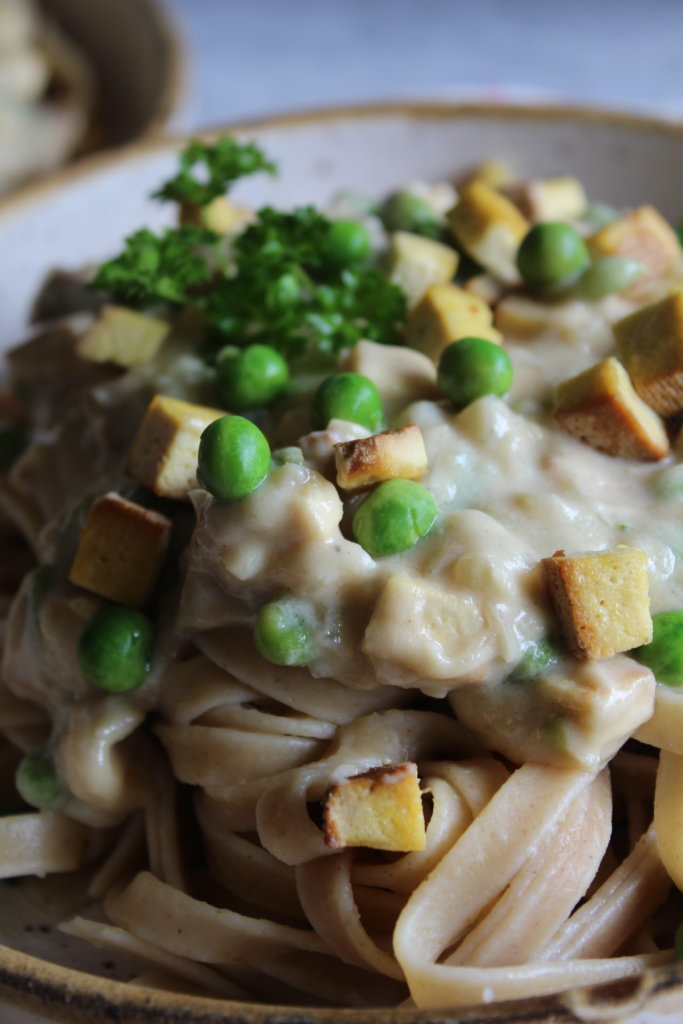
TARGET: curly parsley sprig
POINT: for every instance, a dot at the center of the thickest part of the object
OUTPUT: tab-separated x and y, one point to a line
158	268
207	170
287	292
281	283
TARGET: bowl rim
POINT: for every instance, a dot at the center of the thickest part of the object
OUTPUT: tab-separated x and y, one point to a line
165	137
73	996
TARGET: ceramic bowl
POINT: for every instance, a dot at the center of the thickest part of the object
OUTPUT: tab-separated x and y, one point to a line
81	216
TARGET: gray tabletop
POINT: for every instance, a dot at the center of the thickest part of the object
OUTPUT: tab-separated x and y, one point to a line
255	57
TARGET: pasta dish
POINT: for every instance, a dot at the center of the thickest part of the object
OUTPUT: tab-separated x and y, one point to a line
342	592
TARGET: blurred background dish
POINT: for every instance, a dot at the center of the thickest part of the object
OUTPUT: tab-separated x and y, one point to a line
76	76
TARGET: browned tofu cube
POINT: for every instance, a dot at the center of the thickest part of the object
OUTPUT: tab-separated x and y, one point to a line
122	336
601	408
641	235
121	550
447	313
163	455
491	172
490	228
601	599
549	198
416	262
369	460
380	809
650	345
221	215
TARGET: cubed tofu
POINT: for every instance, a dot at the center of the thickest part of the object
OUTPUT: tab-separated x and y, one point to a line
490	228
415	262
650	345
491	172
121	550
601	408
550	198
446	313
394	453
163	455
401	374
427	632
220	215
380	809
122	336
601	599
641	235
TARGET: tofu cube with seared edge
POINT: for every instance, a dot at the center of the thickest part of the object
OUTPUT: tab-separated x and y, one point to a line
650	345
642	235
122	336
601	408
121	550
601	599
490	228
447	313
380	809
164	452
370	460
415	263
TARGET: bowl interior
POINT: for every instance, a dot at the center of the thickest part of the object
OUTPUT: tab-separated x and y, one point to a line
81	216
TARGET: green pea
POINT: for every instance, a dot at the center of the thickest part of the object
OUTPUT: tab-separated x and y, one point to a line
537	658
471	368
664	653
405	211
347	244
607	276
347	396
248	378
668	483
598	215
283	632
283	292
38	782
12	444
115	648
394	517
293	454
551	256
234	458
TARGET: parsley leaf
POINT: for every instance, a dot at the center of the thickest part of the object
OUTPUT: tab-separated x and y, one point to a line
279	237
158	268
208	169
273	283
284	292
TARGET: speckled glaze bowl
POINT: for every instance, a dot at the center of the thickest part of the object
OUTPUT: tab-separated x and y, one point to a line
80	216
